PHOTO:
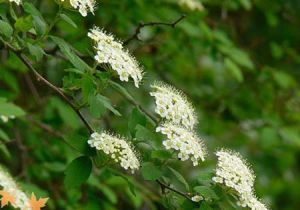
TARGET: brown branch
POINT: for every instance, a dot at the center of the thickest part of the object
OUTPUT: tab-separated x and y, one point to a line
142	25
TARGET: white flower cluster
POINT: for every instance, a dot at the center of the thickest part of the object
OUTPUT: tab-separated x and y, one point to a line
197	198
18	2
84	6
235	173
9	185
172	105
118	149
184	141
193	5
112	52
6	118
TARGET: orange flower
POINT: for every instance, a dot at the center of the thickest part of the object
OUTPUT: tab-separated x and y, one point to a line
37	204
6	198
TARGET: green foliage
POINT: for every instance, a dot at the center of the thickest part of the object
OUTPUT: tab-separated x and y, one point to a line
77	172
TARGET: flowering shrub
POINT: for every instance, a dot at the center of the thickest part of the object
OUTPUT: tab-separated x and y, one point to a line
98	122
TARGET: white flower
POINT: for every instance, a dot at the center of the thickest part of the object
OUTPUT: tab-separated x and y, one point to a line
18	2
186	142
84	6
172	105
9	185
197	198
234	172
112	52
6	118
193	5
117	148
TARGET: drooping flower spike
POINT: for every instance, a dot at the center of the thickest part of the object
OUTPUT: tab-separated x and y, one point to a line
117	148
110	51
234	172
8	185
83	6
188	144
173	105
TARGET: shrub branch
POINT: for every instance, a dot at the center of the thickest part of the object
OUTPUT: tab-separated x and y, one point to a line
142	25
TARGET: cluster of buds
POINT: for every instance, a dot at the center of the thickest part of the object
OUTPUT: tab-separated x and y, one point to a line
110	51
118	148
233	171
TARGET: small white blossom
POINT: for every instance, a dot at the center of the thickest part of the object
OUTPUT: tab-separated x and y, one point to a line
186	142
18	2
9	185
117	148
112	52
193	5
6	118
172	105
197	198
84	6
234	172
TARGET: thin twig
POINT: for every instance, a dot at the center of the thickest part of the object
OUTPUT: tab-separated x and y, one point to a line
39	77
50	131
142	25
165	186
131	100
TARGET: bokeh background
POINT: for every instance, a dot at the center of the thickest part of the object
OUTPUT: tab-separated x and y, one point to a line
238	62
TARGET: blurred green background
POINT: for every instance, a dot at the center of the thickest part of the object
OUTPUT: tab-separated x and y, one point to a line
237	60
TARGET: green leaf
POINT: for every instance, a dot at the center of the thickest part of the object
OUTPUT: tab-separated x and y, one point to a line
6	29
136	118
68	20
77	172
30	8
66	113
36	51
109	193
79	143
107	103
150	171
9	109
87	87
234	69
206	192
205	177
5	151
40	25
180	178
144	134
128	181
121	89
284	79
24	24
161	154
97	108
70	55
4	136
